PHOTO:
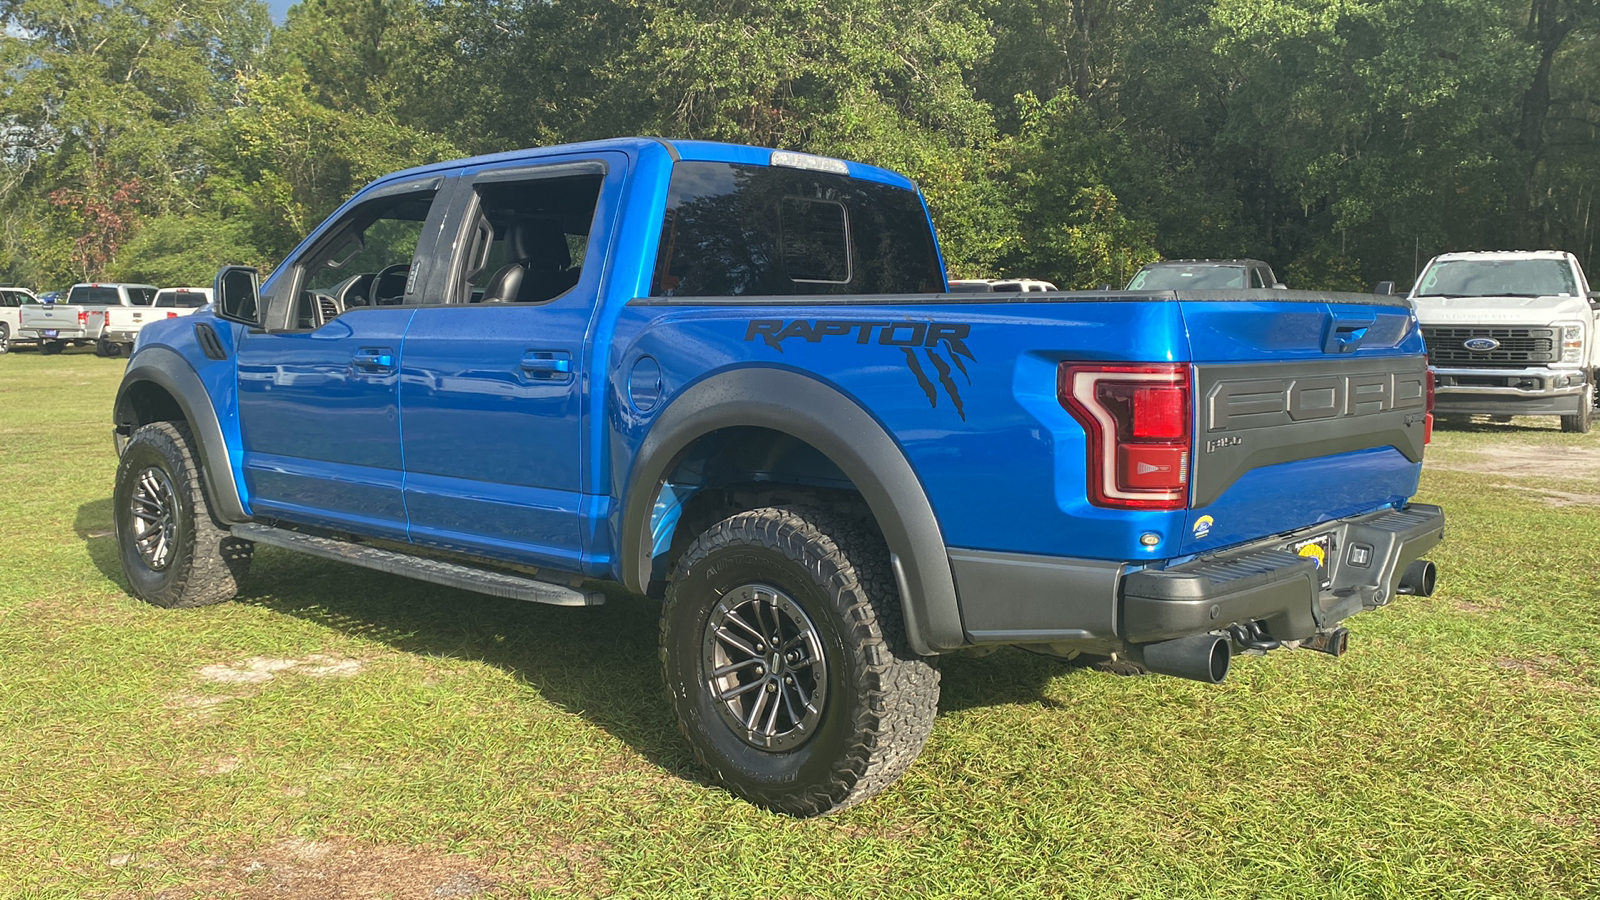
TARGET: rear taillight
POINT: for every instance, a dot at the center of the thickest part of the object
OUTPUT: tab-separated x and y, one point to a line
172	315
83	318
1138	419
1427	420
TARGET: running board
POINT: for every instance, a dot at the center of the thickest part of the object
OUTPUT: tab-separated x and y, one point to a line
468	578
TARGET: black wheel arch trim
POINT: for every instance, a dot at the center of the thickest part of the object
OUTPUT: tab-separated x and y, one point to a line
172	373
842	430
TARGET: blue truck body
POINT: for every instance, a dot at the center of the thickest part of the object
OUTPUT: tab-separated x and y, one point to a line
575	435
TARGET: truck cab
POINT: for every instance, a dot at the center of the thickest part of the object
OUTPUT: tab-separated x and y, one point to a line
12	300
1511	333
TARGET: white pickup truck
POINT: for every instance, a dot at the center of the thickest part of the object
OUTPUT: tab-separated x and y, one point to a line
12	300
1511	333
107	315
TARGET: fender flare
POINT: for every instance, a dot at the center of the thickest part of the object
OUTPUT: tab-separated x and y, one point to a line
168	370
807	409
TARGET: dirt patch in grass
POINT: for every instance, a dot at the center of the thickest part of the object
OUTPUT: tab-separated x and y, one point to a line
1520	460
258	669
302	869
1547	672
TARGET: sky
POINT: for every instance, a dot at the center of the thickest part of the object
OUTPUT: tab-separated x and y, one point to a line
279	8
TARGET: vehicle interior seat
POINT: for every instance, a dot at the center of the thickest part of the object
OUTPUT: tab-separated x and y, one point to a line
539	265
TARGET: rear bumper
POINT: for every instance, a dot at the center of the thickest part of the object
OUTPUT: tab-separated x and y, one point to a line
1289	594
1099	605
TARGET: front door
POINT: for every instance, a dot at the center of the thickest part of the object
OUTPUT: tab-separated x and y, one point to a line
319	387
493	380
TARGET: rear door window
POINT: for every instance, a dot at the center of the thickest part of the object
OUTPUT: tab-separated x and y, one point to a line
756	230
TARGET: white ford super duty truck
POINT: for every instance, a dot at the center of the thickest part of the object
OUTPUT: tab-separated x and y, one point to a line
1511	333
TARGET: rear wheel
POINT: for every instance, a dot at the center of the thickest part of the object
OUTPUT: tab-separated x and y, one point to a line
173	552
784	653
5	338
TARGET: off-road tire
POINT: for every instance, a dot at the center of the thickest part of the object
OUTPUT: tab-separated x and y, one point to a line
1581	421
5	338
206	562
51	348
880	699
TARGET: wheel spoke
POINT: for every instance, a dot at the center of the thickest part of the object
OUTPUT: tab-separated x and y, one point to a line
732	641
730	668
734	619
772	716
745	688
756	708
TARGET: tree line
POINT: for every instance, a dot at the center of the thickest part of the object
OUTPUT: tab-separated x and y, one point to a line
1071	140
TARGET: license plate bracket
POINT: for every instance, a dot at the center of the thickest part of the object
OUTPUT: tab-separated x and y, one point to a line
1319	550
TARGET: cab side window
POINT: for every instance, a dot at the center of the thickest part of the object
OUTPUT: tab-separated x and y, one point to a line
363	260
1256	279
529	239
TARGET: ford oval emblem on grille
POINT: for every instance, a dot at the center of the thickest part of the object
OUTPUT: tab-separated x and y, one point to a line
1481	345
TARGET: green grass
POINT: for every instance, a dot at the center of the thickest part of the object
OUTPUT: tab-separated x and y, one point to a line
528	751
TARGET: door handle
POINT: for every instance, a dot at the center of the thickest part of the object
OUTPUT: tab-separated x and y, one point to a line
544	365
374	359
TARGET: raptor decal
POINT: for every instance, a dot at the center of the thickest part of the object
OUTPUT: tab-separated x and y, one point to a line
942	343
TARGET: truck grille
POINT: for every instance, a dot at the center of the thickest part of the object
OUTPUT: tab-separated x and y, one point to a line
1518	346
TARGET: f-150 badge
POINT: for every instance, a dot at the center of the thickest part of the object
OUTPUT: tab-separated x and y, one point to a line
910	337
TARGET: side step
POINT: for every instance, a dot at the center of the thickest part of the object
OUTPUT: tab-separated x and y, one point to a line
456	575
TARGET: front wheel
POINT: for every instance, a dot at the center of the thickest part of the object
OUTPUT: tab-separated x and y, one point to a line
784	652
1581	421
173	552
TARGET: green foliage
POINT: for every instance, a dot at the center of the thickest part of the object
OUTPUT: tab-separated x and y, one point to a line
1389	129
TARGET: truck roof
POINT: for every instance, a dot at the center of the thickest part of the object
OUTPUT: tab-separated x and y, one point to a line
706	151
1485	255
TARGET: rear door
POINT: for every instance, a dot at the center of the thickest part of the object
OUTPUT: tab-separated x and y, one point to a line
319	387
1307	409
494	370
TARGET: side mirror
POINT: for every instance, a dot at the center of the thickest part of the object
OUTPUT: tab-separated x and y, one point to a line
235	293
1386	288
1279	286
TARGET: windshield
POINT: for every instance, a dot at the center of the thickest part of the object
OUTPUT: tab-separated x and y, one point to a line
1498	278
93	296
1175	278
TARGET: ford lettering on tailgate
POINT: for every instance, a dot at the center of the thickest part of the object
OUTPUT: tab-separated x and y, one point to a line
1263	414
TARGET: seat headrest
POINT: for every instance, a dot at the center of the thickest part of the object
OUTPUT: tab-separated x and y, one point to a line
541	244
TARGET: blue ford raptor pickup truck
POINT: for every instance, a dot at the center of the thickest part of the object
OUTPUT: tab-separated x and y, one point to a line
732	378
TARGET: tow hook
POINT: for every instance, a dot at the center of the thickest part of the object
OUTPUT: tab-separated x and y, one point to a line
1251	636
1334	643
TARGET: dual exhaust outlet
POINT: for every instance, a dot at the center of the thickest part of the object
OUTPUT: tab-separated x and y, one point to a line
1207	657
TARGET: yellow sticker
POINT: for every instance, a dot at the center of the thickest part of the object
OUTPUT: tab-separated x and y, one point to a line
1314	551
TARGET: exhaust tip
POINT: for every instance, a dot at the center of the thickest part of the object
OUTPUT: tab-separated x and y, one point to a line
1201	657
1419	579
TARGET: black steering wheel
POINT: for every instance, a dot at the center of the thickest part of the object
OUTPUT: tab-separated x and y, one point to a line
389	287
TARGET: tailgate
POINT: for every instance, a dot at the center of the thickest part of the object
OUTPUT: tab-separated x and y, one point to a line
1309	407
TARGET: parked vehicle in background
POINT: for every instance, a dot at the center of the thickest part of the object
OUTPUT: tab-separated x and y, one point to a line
49	296
998	285
1511	333
12	300
730	378
76	319
1204	274
182	298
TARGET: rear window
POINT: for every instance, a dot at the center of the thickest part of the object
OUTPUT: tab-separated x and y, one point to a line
181	299
94	296
732	230
141	296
